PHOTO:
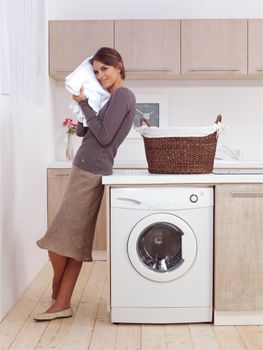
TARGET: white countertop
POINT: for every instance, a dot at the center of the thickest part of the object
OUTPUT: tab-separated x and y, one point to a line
224	172
218	164
142	177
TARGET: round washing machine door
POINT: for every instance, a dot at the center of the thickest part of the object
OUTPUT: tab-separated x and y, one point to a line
162	247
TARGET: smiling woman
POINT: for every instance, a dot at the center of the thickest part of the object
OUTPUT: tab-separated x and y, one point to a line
69	238
108	68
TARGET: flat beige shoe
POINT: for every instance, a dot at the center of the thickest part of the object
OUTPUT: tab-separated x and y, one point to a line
48	316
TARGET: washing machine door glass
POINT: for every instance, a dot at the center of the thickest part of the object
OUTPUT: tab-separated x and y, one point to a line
159	246
162	247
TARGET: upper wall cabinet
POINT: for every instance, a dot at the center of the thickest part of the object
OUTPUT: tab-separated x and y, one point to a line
163	49
70	42
255	46
214	47
150	48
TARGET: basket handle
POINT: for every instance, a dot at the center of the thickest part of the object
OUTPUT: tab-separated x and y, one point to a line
144	120
218	119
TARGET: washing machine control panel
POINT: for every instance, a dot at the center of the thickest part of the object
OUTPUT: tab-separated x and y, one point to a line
193	198
161	198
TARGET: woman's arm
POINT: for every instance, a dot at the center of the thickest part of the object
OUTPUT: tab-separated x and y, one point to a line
106	124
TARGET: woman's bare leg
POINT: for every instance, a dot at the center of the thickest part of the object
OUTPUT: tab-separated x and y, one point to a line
59	263
67	284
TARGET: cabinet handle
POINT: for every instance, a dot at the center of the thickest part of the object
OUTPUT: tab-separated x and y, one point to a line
64	70
59	174
246	194
148	70
259	70
213	70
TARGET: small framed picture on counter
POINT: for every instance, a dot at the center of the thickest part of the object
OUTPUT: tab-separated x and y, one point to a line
153	109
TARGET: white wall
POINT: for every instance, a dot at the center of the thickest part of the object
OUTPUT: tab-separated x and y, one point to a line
117	9
197	103
27	146
189	102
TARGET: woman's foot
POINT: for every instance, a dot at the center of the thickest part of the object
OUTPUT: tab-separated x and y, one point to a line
49	316
57	306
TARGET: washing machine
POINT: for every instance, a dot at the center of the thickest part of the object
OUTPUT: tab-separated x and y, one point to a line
161	254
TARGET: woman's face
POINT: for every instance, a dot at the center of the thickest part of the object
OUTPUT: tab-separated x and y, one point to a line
108	76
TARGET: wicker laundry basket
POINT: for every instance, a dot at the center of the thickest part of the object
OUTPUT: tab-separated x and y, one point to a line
181	155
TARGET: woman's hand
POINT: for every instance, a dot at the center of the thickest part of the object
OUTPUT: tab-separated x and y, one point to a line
80	97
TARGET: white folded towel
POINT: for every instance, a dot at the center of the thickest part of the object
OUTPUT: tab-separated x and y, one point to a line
84	76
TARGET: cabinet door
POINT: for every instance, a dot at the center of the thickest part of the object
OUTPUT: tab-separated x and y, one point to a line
150	48
70	42
57	184
255	47
214	47
238	247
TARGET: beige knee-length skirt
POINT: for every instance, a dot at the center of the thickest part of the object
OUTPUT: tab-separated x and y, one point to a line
71	232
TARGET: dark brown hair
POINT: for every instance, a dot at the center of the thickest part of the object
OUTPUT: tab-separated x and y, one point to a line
110	57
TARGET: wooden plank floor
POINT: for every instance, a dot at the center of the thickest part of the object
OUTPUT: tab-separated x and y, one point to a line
90	327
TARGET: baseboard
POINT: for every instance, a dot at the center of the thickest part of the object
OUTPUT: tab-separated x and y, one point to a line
161	315
232	318
99	255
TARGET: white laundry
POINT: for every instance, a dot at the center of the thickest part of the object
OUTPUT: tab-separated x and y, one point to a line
180	131
84	76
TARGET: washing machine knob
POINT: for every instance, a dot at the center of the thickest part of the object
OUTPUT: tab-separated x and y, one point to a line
193	198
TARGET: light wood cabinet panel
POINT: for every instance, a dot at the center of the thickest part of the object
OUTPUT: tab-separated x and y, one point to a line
57	184
238	247
255	47
215	47
150	48
70	42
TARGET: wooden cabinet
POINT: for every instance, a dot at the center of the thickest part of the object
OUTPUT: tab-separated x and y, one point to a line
70	42
215	47
255	47
150	48
163	49
56	186
238	247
